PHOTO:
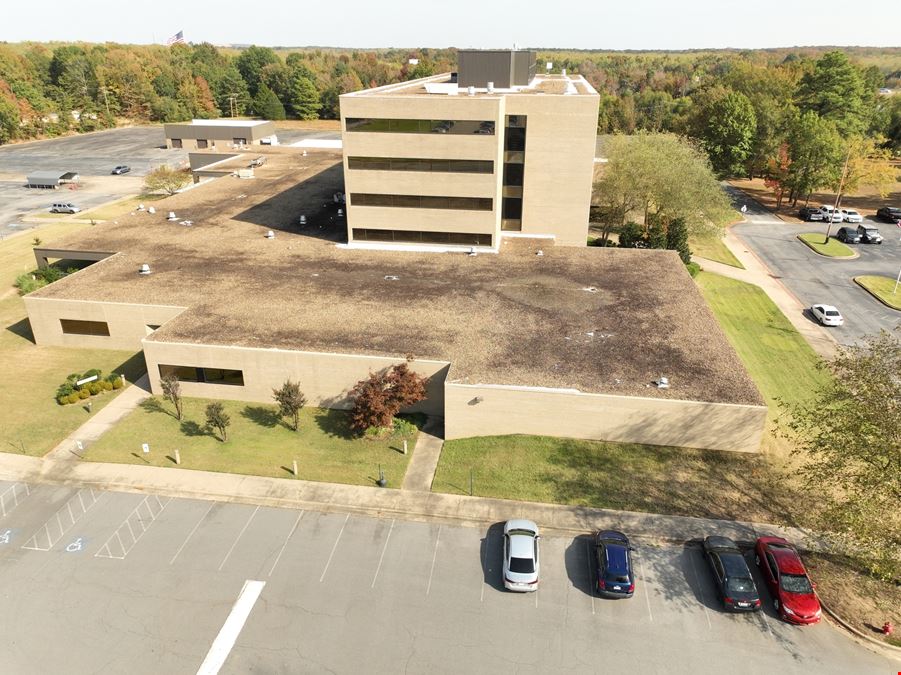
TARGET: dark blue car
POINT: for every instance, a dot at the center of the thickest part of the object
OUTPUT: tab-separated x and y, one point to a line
614	564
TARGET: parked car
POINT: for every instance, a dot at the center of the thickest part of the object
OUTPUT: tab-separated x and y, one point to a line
64	207
521	562
889	214
733	579
793	593
614	564
869	234
119	170
830	212
851	216
809	213
849	235
827	315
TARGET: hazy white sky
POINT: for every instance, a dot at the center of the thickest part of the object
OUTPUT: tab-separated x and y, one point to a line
586	24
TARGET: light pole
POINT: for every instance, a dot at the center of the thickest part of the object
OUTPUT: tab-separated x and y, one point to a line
838	195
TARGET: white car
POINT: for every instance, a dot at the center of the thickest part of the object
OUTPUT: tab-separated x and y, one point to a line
830	211
521	555
827	315
851	216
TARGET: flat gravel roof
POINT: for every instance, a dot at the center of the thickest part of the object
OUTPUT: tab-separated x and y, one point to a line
591	319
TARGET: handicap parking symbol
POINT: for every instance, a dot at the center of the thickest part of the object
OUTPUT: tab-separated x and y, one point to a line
75	546
4	538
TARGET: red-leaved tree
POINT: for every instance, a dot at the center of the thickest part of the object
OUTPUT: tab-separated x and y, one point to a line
382	395
777	174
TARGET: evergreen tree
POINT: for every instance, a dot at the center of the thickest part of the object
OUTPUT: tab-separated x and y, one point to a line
677	239
267	105
303	98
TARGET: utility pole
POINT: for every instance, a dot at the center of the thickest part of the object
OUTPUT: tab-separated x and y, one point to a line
106	100
838	195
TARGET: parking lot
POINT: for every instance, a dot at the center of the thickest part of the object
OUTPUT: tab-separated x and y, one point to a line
119	582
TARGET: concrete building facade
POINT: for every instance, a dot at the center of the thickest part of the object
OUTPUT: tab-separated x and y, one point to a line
224	133
442	163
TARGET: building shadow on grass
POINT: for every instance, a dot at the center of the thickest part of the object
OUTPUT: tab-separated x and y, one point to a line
22	328
134	367
263	416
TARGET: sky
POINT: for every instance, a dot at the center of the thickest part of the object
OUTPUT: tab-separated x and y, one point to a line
587	24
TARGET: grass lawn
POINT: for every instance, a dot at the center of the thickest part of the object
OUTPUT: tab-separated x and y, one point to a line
834	248
120	208
713	248
883	288
779	360
259	443
625	476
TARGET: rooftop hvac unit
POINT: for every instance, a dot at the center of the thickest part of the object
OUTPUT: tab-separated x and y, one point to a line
471	91
491	87
145	269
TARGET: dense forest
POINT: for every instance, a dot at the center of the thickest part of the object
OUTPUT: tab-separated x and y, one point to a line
754	112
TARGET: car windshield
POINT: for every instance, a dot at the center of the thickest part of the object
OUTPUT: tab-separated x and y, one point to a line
795	583
740	585
871	231
618	578
832	312
522	565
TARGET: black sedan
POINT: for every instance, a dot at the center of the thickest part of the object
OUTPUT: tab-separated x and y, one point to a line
889	214
119	170
733	579
849	235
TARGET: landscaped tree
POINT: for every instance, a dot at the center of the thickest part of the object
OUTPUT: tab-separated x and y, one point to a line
267	105
868	165
727	133
837	91
677	239
849	436
167	179
815	151
172	392
290	400
382	395
777	175
217	418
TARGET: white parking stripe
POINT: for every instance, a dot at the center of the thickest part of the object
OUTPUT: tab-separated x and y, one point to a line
238	538
382	557
591	583
232	627
700	590
191	533
434	558
37	543
132	538
287	539
330	555
644	585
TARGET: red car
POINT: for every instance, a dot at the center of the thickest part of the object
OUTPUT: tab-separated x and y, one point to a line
784	573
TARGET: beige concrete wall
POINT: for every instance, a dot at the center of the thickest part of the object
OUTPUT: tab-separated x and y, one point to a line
559	164
127	322
325	379
221	135
491	410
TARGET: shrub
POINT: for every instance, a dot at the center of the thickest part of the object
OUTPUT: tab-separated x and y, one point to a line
217	418
83	393
92	372
62	400
117	383
94	388
380	397
106	385
73	397
73	378
65	389
403	428
693	268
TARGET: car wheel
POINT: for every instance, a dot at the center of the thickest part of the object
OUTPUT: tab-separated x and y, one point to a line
776	604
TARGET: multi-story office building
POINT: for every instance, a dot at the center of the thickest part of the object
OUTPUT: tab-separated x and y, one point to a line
462	159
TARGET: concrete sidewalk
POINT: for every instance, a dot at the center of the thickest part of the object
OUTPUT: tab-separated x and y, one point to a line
372	501
421	471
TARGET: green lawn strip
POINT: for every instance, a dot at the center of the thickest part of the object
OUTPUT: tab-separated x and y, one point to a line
777	357
713	248
833	248
31	421
259	443
622	476
882	288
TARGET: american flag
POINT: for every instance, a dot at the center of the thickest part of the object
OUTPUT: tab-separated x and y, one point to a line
177	39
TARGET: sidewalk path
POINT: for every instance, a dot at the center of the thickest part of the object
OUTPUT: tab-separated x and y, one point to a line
372	501
424	463
757	273
102	421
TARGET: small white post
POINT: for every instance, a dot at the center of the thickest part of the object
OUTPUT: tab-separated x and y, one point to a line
897	281
294	466
177	456
405	446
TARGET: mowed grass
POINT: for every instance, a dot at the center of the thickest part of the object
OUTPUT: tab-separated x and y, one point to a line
833	248
883	288
777	357
259	443
713	248
118	209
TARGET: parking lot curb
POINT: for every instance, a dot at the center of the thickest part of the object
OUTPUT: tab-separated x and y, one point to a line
891	649
854	279
854	254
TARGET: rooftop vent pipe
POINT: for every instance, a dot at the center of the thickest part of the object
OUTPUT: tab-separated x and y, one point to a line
270	235
471	90
491	87
145	269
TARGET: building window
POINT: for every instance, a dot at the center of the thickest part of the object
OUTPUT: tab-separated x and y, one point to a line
428	165
176	143
513	174
398	126
414	237
239	141
79	327
422	202
205	375
202	144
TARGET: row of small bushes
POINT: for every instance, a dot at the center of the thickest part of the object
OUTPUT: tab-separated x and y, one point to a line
68	392
32	281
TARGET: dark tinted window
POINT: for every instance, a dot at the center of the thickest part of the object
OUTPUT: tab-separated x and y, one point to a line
522	565
740	585
513	174
405	126
79	327
422	201
414	237
208	375
429	165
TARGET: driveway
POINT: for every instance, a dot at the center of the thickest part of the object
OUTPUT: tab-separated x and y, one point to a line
816	279
100	581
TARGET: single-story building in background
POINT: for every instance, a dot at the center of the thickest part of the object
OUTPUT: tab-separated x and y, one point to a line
539	339
48	180
223	133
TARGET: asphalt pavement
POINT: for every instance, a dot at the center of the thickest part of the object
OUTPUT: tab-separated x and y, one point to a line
815	279
98	581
